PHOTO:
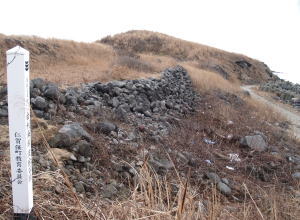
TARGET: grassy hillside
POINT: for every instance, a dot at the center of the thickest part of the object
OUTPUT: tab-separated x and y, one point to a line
59	60
135	54
201	56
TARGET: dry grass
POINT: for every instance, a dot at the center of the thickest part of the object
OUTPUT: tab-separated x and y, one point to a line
61	61
142	52
158	62
264	111
160	44
154	197
206	81
72	63
147	42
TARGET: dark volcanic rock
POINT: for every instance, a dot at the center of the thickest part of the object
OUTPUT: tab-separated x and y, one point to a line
3	112
84	148
3	91
52	91
224	188
243	63
39	103
213	177
256	142
38	83
70	134
284	90
106	127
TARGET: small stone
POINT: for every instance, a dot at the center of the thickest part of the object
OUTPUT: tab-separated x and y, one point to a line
109	191
38	83
133	171
131	136
3	112
229	122
256	142
115	102
72	157
106	127
224	188
296	175
3	91
141	128
161	163
213	177
52	92
81	159
225	180
147	113
39	103
79	187
115	141
44	163
84	148
58	190
122	111
114	134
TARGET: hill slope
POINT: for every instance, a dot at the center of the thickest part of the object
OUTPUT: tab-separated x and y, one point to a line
230	65
185	143
134	54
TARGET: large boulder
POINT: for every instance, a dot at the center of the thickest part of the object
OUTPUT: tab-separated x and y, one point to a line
255	142
69	134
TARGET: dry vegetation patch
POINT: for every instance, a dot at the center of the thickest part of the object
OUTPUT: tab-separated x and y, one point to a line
143	52
261	183
208	58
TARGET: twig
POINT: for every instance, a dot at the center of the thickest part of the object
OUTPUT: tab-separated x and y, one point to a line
181	207
260	213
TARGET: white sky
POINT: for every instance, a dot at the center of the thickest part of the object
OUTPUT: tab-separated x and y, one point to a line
268	30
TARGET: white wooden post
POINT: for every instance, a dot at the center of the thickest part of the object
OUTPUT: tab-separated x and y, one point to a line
19	129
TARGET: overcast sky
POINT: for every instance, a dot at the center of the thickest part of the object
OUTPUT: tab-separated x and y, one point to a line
268	30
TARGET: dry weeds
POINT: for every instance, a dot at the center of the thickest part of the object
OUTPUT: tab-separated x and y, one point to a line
142	52
206	81
178	195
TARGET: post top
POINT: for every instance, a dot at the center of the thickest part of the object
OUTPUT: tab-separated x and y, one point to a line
17	50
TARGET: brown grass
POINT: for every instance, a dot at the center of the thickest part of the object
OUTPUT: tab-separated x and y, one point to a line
205	80
147	42
153	197
61	61
141	52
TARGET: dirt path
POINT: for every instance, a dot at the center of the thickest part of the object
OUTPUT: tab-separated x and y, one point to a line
294	118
